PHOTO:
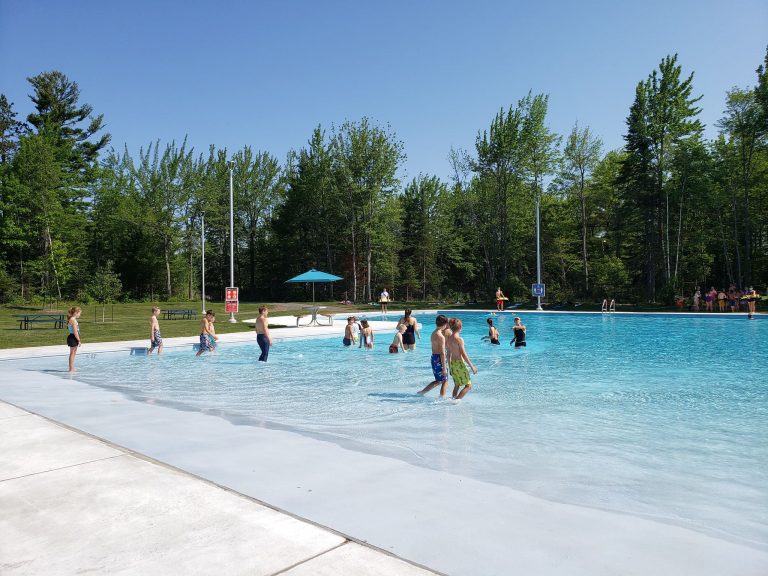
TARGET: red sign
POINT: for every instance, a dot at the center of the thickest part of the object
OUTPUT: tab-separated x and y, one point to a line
231	300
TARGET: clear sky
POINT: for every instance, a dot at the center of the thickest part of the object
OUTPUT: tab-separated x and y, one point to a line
265	73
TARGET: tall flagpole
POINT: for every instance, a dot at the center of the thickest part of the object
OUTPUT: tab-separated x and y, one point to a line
202	236
231	235
538	248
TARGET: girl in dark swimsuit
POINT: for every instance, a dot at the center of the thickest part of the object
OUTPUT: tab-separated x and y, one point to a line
519	331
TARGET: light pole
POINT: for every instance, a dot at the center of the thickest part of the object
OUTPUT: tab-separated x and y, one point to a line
538	249
202	237
231	234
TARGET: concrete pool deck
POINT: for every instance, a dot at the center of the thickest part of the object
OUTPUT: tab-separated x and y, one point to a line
447	522
72	504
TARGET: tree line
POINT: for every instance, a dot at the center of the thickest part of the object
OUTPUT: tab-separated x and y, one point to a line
666	213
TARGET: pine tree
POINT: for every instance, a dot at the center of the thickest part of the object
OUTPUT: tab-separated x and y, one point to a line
662	115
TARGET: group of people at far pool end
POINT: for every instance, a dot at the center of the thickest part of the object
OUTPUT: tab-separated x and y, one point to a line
733	298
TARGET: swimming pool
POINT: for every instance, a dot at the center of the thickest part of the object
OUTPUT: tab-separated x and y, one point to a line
657	416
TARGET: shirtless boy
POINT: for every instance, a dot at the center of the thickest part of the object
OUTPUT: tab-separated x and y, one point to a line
349	332
207	335
263	339
457	356
493	333
500	299
155	340
397	341
439	364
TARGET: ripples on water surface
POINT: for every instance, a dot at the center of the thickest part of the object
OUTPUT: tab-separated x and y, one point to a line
662	416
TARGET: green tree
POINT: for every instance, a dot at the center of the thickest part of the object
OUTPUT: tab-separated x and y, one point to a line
309	223
580	157
365	163
745	129
259	186
105	286
10	131
499	164
59	113
421	229
161	182
34	219
46	179
117	219
661	117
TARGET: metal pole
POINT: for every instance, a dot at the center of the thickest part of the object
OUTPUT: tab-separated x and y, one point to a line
202	234
538	249
231	235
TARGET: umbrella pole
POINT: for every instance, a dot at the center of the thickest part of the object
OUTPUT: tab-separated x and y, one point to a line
314	308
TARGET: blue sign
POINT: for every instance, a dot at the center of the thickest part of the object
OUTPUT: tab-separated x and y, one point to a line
538	290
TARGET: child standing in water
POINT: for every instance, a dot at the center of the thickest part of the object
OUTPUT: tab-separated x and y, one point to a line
439	364
411	330
457	356
397	342
349	333
366	335
212	338
493	334
207	337
155	340
519	331
263	339
73	338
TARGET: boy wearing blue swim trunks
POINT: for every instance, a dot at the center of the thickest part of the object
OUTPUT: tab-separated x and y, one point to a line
263	338
207	335
155	339
439	365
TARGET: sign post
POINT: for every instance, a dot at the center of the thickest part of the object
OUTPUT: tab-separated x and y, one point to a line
231	300
538	291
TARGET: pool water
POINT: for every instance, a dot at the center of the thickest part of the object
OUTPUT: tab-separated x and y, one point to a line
660	416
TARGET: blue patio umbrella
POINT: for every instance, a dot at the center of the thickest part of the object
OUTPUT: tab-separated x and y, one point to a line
314	276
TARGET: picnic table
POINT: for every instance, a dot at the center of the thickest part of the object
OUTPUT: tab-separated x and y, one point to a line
313	310
176	313
26	320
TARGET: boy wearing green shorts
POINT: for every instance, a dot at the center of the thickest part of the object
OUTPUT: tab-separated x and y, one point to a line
457	356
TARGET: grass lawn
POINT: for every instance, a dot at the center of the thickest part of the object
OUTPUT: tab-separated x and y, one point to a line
131	322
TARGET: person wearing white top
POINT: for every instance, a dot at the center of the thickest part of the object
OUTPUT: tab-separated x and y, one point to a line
384	300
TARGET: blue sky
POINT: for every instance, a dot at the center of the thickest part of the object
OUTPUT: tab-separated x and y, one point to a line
264	74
